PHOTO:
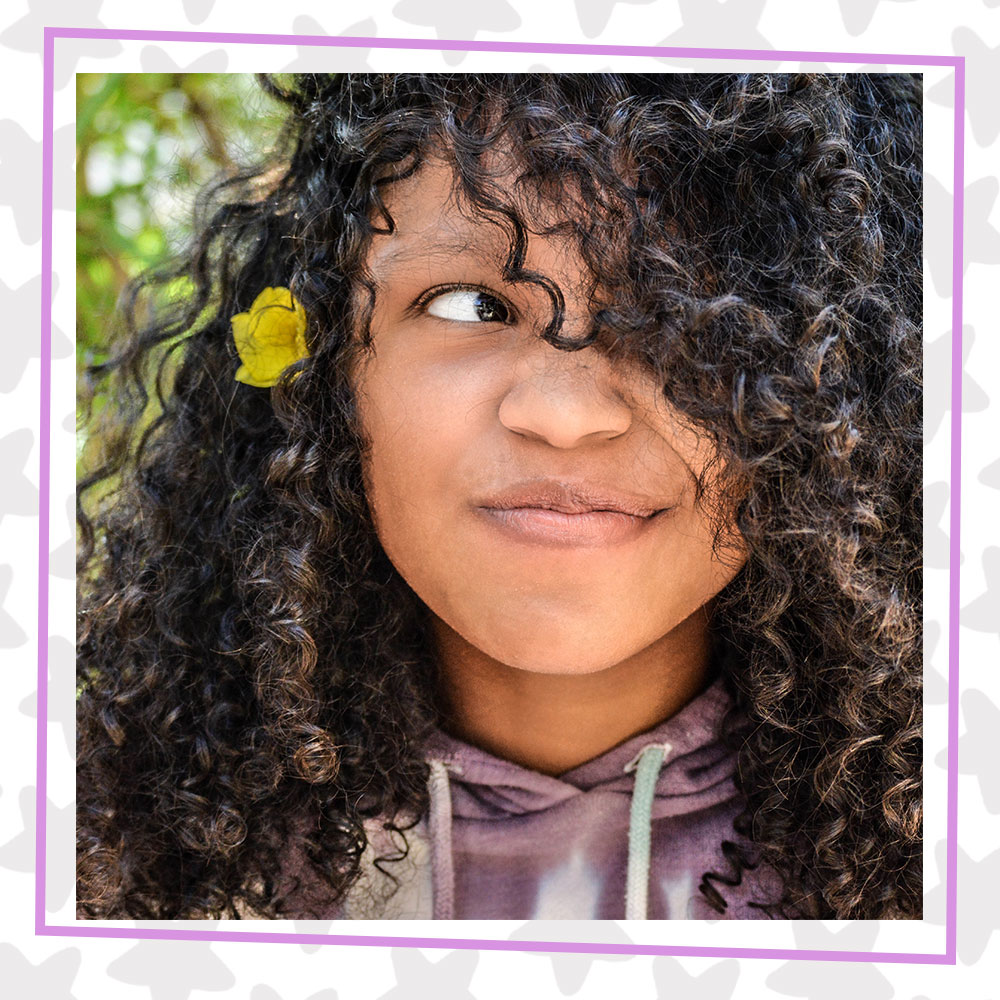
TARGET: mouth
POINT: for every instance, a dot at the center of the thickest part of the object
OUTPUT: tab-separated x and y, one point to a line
569	515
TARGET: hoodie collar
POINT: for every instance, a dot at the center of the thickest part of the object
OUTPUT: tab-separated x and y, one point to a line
696	767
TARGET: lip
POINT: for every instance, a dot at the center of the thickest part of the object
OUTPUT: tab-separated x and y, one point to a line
568	514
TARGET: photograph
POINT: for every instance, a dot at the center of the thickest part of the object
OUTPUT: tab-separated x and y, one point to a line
499	496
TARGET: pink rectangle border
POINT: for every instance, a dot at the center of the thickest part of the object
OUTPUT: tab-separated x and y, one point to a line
89	930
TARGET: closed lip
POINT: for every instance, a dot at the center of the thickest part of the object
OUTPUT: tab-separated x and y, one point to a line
568	515
570	498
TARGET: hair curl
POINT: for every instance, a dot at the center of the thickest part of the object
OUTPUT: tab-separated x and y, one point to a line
248	656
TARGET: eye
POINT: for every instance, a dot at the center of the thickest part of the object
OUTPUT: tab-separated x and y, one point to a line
469	305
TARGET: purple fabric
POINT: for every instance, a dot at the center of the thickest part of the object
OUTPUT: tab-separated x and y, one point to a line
526	845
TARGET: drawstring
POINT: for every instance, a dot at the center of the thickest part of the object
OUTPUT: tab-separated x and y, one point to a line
646	764
442	862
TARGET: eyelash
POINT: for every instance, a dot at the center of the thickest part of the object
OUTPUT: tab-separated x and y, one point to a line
427	297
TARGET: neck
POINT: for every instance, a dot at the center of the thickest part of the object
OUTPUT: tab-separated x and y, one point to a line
554	722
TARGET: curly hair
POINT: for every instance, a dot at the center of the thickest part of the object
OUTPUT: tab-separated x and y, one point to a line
248	655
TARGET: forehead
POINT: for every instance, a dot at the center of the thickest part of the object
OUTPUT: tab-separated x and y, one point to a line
427	220
433	220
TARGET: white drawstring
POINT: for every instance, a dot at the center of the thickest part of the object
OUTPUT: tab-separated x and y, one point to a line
442	862
646	764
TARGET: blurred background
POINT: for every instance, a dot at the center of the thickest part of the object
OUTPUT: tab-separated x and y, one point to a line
146	142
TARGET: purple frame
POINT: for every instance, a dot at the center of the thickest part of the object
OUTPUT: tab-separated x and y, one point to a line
42	928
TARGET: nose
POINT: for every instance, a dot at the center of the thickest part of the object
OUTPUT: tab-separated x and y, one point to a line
565	399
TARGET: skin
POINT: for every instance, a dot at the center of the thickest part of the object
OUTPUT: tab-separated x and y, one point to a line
549	654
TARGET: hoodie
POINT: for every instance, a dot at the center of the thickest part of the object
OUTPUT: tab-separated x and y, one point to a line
627	835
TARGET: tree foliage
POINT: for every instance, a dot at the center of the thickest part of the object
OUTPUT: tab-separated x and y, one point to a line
146	142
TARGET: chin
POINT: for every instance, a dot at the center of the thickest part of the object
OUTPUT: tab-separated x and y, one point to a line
548	654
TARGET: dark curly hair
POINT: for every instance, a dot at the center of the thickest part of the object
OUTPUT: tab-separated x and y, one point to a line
248	656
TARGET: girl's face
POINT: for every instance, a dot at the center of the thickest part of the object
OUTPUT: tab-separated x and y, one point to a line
540	502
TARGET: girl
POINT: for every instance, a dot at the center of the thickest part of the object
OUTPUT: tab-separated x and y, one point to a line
530	523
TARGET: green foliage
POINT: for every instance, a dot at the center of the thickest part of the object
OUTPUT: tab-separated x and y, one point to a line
146	142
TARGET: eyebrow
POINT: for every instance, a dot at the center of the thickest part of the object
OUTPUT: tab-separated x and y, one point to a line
439	249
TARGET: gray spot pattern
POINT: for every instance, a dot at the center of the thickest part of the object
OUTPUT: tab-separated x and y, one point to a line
718	24
981	614
594	15
21	309
312	927
262	992
49	980
62	695
25	35
197	10
18	854
978	914
838	979
982	70
458	19
982	239
418	978
18	496
571	969
20	173
153	59
977	747
322	58
716	983
990	476
937	393
11	634
171	970
20	166
858	14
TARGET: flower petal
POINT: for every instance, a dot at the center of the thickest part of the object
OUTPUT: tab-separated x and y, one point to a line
241	331
243	375
269	337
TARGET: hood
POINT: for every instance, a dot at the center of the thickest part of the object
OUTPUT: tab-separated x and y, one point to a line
501	834
633	833
696	771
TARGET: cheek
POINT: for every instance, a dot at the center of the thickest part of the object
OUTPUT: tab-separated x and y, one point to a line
420	430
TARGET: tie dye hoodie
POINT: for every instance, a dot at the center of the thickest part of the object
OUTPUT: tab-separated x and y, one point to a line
628	835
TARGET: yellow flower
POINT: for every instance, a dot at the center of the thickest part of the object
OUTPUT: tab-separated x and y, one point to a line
270	337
